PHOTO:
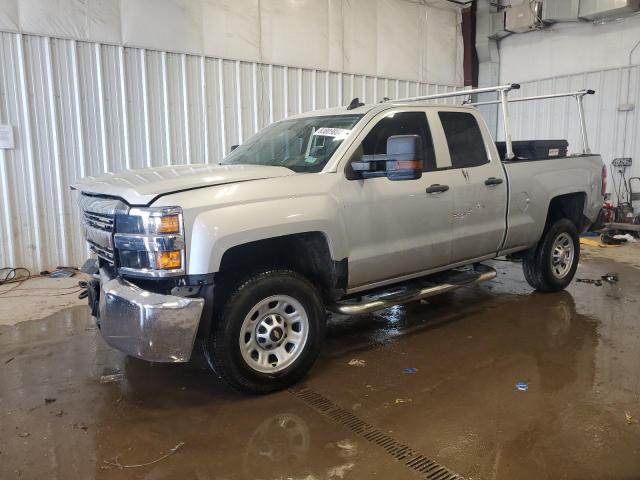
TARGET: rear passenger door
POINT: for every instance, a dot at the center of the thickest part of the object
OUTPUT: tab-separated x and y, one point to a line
478	184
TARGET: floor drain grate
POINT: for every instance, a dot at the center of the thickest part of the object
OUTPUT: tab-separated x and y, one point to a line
424	466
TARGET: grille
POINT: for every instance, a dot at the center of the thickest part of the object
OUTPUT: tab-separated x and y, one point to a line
425	467
98	219
99	234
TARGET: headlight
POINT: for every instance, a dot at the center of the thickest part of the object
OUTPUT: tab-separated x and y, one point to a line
154	220
150	242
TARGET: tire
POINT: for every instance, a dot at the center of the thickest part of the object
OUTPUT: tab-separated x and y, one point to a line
269	332
547	273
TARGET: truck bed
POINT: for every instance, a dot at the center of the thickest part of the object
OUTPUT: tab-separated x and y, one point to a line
532	184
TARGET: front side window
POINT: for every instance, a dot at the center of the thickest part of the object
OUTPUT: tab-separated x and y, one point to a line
302	145
402	123
464	138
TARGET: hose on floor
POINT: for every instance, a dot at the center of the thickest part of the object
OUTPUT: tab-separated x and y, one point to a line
19	275
13	274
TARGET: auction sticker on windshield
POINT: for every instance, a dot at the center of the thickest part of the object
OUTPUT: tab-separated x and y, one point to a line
332	132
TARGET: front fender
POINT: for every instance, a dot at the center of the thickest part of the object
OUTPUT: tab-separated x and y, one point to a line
215	231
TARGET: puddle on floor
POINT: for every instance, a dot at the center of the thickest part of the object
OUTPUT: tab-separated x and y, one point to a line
576	351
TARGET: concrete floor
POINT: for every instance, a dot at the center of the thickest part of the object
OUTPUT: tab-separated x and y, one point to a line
38	297
578	351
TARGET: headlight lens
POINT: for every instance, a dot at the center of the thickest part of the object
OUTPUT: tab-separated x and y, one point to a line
168	260
150	242
167	224
153	220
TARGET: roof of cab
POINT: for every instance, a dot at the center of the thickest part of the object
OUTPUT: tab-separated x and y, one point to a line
366	108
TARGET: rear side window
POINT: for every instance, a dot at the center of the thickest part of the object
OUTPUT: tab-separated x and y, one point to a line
403	123
464	139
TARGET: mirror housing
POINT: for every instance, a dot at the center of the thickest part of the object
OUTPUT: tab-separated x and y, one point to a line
403	160
404	157
233	147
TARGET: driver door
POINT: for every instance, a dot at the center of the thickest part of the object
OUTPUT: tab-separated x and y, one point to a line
396	228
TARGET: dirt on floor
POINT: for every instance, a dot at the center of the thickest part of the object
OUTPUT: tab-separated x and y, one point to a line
490	382
628	253
38	297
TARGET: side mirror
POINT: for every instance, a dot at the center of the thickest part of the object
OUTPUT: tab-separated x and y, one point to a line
233	147
404	157
403	160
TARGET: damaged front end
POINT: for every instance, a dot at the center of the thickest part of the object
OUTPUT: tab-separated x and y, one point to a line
139	294
144	324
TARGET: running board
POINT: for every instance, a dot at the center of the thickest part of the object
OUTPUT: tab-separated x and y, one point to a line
415	290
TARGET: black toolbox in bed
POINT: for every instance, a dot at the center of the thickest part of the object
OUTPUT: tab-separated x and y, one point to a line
535	149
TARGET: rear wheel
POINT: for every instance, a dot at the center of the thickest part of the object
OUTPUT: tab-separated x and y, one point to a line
553	263
269	332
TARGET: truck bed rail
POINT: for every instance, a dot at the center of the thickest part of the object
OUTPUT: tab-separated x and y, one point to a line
504	100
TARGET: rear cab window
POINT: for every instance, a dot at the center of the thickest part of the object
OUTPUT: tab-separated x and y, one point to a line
464	138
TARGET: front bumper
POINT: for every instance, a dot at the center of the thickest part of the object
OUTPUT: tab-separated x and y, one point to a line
147	325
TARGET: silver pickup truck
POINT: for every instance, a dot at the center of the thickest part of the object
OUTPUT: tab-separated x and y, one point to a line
349	210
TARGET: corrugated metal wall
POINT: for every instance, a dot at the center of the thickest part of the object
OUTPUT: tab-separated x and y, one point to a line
82	108
612	132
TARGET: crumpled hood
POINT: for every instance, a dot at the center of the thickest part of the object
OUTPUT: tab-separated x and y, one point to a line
140	187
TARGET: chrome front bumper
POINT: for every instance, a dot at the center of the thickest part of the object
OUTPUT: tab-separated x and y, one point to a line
147	325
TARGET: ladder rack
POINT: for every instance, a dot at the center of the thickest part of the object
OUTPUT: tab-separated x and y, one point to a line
504	100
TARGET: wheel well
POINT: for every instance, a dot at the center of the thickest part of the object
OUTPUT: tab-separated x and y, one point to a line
306	253
569	206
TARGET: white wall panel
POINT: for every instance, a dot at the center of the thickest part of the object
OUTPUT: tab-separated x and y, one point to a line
360	38
569	48
295	33
9	19
103	21
336	36
232	29
611	133
444	43
171	25
63	18
399	54
398	38
97	20
81	108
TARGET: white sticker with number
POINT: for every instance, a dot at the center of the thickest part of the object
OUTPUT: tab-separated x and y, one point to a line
332	132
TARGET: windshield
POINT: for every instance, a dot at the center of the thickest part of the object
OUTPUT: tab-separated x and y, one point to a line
302	144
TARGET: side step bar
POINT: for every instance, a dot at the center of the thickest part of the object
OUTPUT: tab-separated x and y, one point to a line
430	286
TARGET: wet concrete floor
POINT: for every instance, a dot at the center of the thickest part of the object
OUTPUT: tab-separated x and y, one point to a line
577	351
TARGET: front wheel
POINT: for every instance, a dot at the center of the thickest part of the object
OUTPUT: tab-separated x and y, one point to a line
269	332
552	264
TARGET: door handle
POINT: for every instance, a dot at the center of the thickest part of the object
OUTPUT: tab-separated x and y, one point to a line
493	181
437	188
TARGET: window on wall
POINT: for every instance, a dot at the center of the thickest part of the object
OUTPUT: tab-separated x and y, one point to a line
402	123
464	138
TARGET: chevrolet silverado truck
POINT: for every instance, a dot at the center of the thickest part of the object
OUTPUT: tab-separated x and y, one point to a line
347	210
